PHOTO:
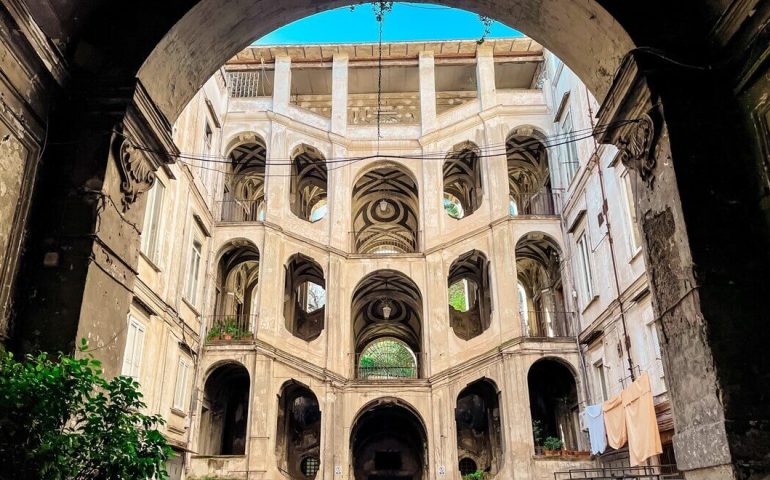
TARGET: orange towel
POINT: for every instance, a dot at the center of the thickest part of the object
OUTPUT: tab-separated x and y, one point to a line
641	423
615	422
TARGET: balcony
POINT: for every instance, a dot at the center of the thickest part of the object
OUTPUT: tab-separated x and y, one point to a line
241	210
656	472
395	365
231	328
543	202
546	324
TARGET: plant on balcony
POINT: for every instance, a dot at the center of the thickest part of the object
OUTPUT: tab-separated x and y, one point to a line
552	445
214	332
228	329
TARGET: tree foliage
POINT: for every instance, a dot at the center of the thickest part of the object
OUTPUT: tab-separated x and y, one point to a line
60	419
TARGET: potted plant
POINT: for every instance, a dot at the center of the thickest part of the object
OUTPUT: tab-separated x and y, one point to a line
230	329
552	445
214	332
477	475
537	434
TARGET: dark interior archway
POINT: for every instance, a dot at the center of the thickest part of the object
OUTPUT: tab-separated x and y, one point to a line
309	183
463	190
224	411
529	178
244	185
479	427
470	296
298	440
553	402
236	290
388	441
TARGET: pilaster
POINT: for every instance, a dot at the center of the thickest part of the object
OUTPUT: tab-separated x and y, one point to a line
485	77
282	84
427	91
340	93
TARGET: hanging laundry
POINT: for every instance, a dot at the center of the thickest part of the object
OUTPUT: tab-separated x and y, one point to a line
643	434
614	422
594	416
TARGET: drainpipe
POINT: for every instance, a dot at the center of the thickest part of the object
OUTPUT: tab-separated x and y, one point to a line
605	211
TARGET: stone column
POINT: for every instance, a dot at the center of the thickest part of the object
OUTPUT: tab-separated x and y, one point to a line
709	289
427	92
485	77
340	94
82	252
282	84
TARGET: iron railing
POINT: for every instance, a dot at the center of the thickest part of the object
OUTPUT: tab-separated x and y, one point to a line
243	84
541	202
241	210
387	366
231	327
656	472
546	324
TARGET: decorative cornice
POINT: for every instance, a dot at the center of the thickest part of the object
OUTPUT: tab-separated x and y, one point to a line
635	147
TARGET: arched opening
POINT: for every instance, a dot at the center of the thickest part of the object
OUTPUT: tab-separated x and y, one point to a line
385	212
479	428
538	266
553	403
309	183
463	191
298	439
529	181
244	188
224	411
304	307
235	295
387	326
470	304
388	441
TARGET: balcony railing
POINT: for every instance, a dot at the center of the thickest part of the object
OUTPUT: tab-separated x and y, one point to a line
241	210
231	327
542	202
243	84
387	366
546	324
657	472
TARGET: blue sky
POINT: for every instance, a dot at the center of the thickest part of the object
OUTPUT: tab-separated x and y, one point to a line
406	22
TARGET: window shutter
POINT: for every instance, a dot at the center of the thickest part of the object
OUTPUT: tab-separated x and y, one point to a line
128	352
181	384
138	347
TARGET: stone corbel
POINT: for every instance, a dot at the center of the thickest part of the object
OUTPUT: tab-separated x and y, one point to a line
636	147
137	174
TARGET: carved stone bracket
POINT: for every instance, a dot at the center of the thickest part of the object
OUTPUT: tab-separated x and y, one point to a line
635	145
137	174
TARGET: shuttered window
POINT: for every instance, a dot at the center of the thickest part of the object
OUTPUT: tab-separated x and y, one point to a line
132	355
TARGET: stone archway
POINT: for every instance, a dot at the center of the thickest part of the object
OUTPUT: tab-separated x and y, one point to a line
698	272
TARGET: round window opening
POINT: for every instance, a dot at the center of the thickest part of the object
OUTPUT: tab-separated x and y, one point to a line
309	466
467	466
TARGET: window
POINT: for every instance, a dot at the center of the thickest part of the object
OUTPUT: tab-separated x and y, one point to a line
570	162
182	379
601	379
132	355
309	466
152	222
632	225
585	278
193	268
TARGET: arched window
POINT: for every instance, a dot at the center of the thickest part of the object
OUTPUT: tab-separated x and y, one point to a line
309	184
235	309
385	212
387	358
529	181
538	266
244	190
463	191
387	326
470	305
305	298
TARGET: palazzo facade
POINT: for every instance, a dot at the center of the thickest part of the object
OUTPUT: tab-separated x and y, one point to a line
324	295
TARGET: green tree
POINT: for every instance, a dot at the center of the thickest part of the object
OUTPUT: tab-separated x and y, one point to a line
60	419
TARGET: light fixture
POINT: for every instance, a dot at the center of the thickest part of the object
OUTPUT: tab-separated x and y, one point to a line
383	205
386	308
